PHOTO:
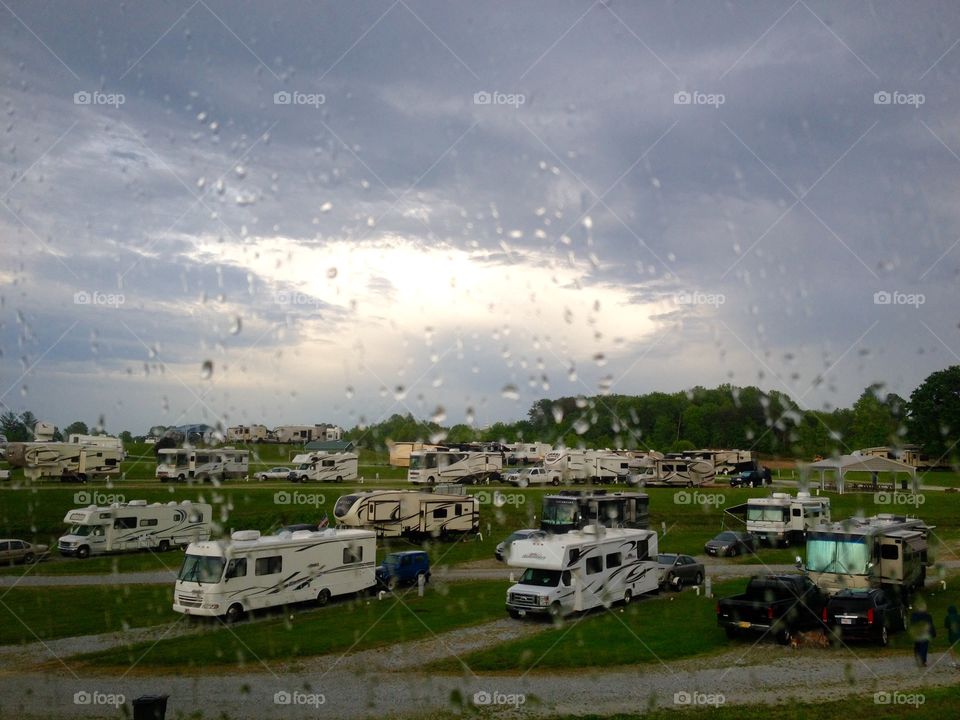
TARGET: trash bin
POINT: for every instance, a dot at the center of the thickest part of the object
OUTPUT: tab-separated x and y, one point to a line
150	707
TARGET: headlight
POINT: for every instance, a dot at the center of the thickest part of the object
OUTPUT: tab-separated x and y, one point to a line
544	600
211	606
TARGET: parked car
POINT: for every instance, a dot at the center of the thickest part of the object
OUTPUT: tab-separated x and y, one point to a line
864	614
752	478
679	570
274	473
503	547
731	543
403	568
776	604
20	551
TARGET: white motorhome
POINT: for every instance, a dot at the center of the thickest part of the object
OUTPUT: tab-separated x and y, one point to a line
74	461
391	513
526	453
251	572
454	466
183	464
127	527
248	433
323	467
782	519
885	551
582	569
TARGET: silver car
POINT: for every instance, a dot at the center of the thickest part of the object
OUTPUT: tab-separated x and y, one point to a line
20	551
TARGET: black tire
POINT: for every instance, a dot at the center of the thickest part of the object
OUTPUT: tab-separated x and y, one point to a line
164	546
514	614
431	480
83	552
731	632
234	613
323	597
392	583
698	579
28	558
82	477
784	637
884	636
181	478
734	551
555	482
555	610
339	478
304	478
627	597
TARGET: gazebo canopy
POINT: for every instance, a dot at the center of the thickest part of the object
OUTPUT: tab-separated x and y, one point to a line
862	463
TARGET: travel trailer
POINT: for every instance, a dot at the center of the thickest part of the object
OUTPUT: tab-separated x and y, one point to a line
323	467
127	527
885	551
182	464
724	461
581	570
911	455
106	441
250	572
68	461
248	434
676	471
574	510
782	519
391	513
526	453
454	466
577	466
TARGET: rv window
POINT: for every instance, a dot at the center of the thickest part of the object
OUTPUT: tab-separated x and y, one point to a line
196	517
111	462
889	552
178	517
574	555
613	560
458	509
104	516
4	546
440	513
237	568
149	522
328	463
269	565
565	578
594	565
352	554
124	523
796	512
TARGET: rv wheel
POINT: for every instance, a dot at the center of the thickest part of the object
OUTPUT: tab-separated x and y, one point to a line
83	552
555	610
555	482
181	477
392	583
234	613
339	478
627	597
323	597
164	546
784	637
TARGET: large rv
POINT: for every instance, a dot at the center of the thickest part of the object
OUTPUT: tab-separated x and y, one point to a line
576	466
677	471
911	455
454	466
127	527
580	570
885	551
323	467
182	464
782	519
574	510
723	461
68	461
526	453
248	434
391	513
250	571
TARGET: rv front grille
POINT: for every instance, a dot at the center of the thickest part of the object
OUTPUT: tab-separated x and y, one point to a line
523	599
190	600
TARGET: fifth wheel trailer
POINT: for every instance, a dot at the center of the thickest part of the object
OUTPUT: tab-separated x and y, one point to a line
391	513
250	571
75	461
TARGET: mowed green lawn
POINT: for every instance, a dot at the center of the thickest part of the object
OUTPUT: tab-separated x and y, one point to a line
353	625
29	614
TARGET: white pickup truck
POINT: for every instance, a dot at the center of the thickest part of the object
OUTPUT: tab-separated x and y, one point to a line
532	476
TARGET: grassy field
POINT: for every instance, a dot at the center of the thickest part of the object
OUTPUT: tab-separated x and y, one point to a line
352	625
27	614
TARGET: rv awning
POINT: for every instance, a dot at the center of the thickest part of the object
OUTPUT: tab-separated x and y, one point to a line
737	511
861	463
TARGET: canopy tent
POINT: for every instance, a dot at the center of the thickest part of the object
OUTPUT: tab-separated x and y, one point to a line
862	463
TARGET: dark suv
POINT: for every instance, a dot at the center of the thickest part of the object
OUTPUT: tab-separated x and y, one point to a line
752	478
864	614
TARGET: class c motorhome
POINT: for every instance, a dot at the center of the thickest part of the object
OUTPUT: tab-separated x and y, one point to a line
250	572
132	526
325	467
583	569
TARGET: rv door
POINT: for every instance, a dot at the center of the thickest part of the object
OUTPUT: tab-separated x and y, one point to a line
891	561
383	510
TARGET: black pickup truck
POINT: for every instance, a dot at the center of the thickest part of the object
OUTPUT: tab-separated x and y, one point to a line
777	604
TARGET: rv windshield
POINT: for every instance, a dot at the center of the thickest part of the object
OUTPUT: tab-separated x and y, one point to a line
201	569
765	513
540	578
830	553
82	530
343	505
559	512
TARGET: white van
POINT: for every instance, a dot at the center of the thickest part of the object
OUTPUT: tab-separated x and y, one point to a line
250	571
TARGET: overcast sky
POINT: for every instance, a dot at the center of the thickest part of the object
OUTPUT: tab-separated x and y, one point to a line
329	212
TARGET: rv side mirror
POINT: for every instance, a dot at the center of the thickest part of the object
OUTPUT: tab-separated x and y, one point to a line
798	562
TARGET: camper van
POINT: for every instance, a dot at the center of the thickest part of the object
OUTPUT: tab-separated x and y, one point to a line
126	527
251	572
574	510
583	569
391	513
782	519
686	472
68	461
183	464
454	466
885	551
324	467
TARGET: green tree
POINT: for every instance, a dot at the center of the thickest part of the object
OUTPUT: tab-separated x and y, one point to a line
77	427
934	415
13	428
874	423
